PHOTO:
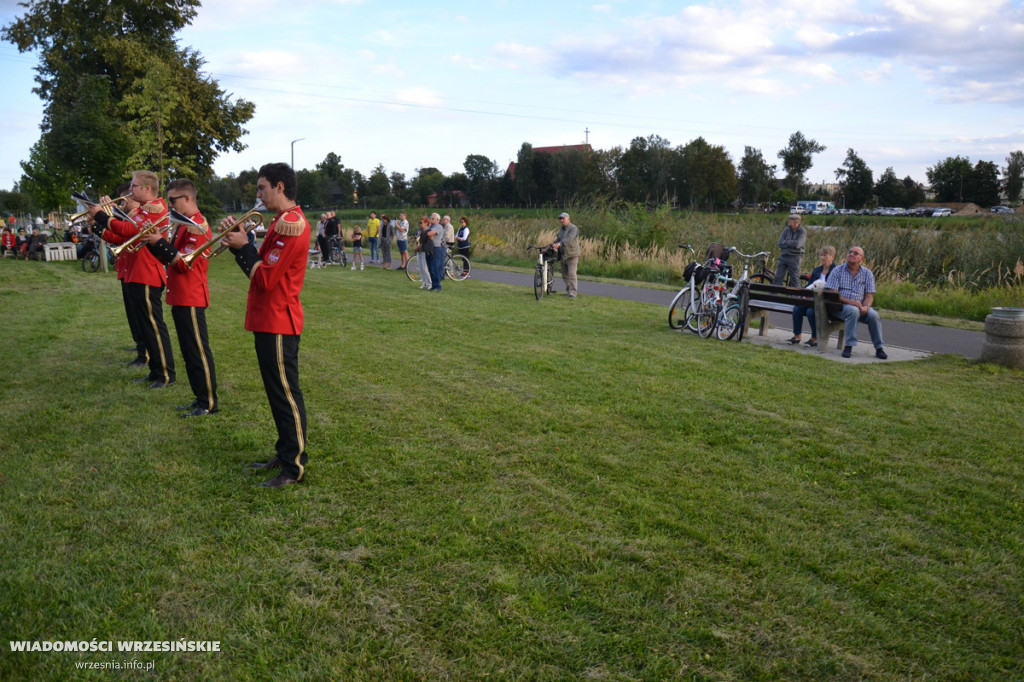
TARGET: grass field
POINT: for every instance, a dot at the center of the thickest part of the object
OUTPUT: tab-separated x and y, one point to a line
502	488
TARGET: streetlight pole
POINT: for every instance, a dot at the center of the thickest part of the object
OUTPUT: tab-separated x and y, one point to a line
293	150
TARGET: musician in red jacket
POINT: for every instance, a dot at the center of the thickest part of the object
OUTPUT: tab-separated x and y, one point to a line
144	274
274	314
120	267
189	295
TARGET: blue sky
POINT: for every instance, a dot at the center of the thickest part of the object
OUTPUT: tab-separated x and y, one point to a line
905	83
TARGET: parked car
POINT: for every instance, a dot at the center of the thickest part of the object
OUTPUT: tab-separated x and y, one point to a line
1002	209
942	212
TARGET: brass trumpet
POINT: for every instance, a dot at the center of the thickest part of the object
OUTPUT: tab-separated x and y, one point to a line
252	216
105	205
134	243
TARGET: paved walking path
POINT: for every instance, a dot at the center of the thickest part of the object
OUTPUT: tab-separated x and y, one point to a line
903	340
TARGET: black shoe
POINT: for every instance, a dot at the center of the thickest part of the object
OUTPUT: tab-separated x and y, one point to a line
274	463
138	362
848	351
881	354
162	384
185	408
794	341
811	344
198	412
279	481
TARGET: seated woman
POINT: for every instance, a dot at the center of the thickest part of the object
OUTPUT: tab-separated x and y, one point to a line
827	254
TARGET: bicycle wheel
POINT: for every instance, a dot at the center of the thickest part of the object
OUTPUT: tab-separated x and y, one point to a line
762	278
91	261
457	268
539	287
729	324
412	268
678	309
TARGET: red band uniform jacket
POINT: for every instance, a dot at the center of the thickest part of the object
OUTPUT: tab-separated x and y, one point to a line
143	268
188	286
273	305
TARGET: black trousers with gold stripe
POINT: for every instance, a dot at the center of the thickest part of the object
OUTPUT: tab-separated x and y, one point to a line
278	356
146	304
190	323
133	322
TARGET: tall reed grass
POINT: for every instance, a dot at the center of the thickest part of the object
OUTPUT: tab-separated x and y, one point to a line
956	268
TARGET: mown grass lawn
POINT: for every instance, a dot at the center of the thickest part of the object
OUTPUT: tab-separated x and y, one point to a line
506	488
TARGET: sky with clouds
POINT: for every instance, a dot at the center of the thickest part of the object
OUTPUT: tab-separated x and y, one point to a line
905	83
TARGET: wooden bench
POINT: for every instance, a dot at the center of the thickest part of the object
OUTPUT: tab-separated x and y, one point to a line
765	298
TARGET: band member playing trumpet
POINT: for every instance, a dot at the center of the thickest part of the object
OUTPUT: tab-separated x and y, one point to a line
121	267
274	314
144	274
188	294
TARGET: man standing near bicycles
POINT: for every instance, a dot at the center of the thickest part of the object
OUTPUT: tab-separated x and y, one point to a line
791	247
567	246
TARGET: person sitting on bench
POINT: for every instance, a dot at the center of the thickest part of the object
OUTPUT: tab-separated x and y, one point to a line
827	254
856	287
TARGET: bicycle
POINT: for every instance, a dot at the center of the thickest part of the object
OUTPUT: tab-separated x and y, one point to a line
91	254
733	317
689	302
681	311
336	252
456	267
544	274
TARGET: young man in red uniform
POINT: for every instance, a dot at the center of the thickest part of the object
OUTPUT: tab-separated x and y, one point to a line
120	267
273	313
189	295
145	275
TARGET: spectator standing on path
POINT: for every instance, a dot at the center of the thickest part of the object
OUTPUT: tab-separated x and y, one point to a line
791	247
387	233
856	287
402	239
436	256
567	245
449	232
357	246
462	236
425	246
372	232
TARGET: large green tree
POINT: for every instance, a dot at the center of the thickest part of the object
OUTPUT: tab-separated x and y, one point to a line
856	184
797	158
756	177
83	149
1013	176
983	184
707	173
949	177
890	190
155	89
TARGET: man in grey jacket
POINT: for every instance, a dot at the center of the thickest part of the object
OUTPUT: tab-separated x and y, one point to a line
791	246
567	244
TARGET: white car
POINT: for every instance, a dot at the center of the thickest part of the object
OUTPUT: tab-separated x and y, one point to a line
942	212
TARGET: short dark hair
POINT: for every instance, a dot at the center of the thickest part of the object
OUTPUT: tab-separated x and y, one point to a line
182	185
280	172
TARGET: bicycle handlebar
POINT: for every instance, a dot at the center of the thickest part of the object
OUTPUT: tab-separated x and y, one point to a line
733	249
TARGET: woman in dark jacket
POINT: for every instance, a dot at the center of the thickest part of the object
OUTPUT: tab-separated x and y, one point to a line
827	254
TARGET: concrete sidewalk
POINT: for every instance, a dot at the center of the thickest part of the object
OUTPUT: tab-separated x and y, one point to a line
904	340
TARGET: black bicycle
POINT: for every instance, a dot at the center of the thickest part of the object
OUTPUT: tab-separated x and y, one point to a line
91	254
